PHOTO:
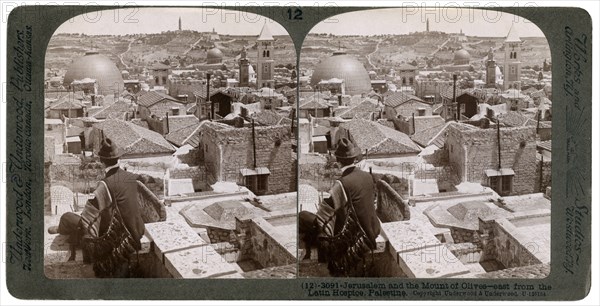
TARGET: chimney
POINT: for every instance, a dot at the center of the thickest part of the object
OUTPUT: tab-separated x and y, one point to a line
212	107
166	125
454	78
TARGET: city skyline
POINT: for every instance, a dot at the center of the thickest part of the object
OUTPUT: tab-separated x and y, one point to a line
143	21
473	22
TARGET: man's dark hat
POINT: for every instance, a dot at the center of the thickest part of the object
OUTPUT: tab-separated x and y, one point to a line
109	149
346	149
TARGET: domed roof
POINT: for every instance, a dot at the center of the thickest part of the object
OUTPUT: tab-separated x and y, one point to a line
95	66
346	67
214	53
214	56
461	57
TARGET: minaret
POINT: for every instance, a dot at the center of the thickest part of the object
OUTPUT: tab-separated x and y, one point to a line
265	63
512	60
490	72
180	24
427	25
244	69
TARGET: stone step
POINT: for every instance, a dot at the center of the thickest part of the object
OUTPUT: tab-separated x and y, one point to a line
198	262
431	262
419	253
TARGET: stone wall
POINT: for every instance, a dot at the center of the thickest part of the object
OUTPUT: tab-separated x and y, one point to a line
461	235
445	175
466	252
498	243
390	205
510	252
543	174
409	108
197	174
74	176
84	179
474	151
192	158
228	150
318	175
267	250
384	265
186	87
163	107
243	243
437	158
403	125
217	235
486	238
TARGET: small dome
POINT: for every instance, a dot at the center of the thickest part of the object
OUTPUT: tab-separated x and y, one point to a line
461	57
345	67
95	66
214	56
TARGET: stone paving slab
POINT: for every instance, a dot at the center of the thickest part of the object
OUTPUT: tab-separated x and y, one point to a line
431	262
406	236
198	262
171	236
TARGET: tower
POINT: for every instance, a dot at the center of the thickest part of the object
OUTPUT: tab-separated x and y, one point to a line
244	69
265	63
512	60
490	70
179	23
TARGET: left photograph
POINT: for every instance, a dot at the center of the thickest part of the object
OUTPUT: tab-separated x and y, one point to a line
170	147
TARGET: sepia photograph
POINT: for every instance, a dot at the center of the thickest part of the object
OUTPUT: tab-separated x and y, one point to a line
425	146
169	146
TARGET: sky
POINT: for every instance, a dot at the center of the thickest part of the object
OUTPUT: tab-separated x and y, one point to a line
473	22
155	20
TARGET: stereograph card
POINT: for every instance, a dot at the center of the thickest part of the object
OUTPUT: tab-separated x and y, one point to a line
298	152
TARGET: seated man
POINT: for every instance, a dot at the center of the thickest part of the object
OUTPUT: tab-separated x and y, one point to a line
118	187
355	186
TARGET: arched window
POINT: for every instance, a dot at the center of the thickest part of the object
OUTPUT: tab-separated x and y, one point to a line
403	80
268	53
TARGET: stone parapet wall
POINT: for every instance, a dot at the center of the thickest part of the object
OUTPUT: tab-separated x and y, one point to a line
197	174
268	247
498	242
510	252
390	205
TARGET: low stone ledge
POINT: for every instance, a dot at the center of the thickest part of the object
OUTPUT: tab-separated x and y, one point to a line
170	236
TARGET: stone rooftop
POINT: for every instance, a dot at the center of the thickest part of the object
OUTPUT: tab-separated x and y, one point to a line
463	215
219	215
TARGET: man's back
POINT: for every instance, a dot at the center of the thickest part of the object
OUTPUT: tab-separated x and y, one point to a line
360	189
123	190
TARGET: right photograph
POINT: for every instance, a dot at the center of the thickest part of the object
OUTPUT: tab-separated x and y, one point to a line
424	142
